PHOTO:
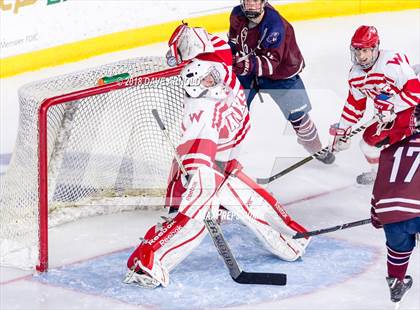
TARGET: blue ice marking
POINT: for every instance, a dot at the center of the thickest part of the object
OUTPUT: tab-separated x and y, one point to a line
202	280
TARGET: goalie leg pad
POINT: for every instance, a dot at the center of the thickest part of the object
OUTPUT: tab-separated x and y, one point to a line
181	244
252	209
200	194
165	246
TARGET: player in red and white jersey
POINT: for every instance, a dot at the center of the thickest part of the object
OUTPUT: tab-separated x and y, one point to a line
387	79
215	123
218	107
195	43
396	205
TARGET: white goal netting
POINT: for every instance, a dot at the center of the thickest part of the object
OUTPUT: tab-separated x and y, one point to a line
103	147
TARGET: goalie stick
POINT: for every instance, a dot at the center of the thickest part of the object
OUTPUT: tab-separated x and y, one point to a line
235	271
164	130
331	229
219	241
309	158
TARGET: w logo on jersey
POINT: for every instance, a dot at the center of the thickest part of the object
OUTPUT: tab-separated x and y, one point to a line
196	116
397	60
234	120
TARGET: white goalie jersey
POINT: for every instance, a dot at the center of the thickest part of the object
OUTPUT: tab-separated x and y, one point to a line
215	122
213	128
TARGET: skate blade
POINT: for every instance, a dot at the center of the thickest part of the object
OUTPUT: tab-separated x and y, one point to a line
129	277
141	280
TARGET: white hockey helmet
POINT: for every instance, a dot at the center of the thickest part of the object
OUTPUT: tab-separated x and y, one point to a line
199	77
186	43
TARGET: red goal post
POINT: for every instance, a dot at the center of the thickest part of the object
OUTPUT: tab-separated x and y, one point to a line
90	142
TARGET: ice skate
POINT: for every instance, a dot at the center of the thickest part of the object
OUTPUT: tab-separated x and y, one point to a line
366	178
141	279
398	288
147	277
326	157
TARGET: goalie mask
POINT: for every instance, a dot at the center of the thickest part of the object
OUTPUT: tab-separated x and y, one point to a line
186	43
199	77
253	8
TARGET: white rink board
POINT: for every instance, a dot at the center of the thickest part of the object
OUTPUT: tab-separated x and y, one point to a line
62	21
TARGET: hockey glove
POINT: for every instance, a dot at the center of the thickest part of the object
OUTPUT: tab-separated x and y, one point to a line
340	142
374	219
243	65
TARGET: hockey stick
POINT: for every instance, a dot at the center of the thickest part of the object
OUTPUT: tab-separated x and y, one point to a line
235	271
222	247
310	157
331	229
163	128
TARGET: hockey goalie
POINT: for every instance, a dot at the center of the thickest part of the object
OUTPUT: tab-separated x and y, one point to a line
215	122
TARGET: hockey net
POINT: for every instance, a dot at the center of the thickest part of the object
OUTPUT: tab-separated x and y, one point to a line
84	149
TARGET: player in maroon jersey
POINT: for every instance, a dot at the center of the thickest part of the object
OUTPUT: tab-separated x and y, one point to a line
266	58
396	205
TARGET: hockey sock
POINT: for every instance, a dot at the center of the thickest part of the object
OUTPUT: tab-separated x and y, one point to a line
307	133
397	263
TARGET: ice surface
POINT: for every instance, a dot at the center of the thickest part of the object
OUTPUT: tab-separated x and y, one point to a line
202	280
